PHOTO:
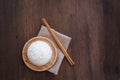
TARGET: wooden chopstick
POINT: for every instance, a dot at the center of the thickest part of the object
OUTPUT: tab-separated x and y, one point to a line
58	42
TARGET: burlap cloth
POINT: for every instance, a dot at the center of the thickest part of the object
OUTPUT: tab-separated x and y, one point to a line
65	40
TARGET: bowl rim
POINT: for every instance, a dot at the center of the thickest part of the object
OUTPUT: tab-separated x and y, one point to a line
43	67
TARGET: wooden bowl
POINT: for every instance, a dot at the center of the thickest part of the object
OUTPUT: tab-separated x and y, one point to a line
43	67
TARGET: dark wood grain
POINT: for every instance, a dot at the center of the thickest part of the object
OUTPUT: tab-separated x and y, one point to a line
92	24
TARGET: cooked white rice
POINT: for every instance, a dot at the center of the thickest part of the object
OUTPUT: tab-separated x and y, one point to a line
39	53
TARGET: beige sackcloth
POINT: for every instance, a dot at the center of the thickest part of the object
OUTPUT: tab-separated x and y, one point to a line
65	40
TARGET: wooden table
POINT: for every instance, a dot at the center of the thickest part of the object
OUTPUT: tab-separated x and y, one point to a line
94	26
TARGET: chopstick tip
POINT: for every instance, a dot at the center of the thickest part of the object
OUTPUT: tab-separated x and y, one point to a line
43	19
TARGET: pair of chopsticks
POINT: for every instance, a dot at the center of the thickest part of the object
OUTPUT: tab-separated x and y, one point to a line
58	42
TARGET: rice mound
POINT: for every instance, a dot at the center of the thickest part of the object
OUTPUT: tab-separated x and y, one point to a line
39	53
